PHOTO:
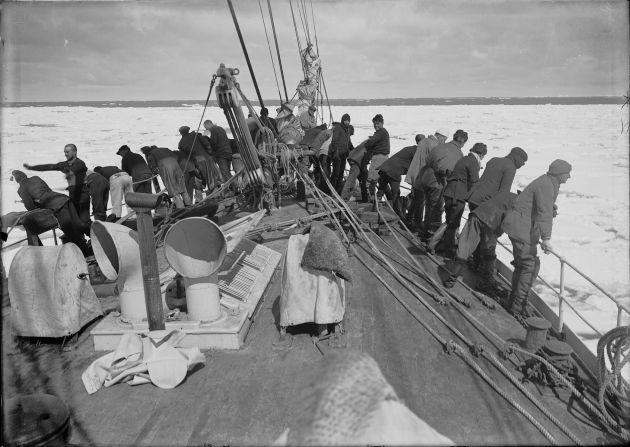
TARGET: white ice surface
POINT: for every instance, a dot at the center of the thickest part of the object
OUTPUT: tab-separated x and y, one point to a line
591	230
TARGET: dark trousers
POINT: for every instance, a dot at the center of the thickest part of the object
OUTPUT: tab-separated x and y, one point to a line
526	267
416	211
338	167
224	167
100	195
324	166
71	225
454	210
434	206
142	184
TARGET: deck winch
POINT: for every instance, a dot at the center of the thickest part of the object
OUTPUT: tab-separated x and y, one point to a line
558	354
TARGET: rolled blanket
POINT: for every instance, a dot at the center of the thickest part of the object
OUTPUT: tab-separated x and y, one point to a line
326	252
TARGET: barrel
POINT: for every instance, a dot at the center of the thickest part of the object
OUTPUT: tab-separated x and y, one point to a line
50	291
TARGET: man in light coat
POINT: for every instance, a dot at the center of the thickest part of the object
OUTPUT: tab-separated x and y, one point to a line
529	222
416	169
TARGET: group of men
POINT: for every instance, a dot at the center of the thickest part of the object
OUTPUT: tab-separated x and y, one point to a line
443	181
203	160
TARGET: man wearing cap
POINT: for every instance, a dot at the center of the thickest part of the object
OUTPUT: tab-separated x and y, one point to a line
221	149
308	120
440	163
164	162
340	147
529	222
464	176
35	193
74	169
377	148
497	177
120	183
190	145
135	165
416	169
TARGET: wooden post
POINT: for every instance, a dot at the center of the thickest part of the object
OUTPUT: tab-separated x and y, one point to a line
142	204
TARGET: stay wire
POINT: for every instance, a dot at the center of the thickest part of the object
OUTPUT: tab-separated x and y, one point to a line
273	65
314	28
275	37
297	37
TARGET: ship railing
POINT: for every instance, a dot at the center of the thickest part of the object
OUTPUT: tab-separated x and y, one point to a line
562	301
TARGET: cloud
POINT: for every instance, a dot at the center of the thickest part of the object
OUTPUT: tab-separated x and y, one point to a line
385	48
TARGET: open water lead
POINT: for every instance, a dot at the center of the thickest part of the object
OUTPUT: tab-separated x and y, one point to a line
196	247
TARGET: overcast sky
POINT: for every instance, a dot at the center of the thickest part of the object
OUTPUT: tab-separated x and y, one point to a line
160	50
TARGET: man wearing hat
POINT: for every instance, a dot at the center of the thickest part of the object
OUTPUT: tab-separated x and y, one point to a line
135	165
308	120
497	177
529	222
416	169
464	176
191	146
35	193
440	164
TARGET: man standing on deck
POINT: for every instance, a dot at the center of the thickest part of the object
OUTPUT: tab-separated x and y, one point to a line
190	145
163	161
99	193
528	222
135	165
390	174
35	193
75	169
497	178
440	164
221	149
464	176
120	183
377	148
340	147
268	121
416	170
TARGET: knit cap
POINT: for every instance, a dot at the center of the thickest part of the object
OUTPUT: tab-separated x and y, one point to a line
18	176
558	167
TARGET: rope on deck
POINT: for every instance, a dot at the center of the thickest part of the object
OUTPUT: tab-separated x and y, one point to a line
449	346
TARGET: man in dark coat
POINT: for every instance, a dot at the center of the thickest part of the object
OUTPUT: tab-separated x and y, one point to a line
35	193
340	147
390	173
221	149
268	122
377	147
497	176
135	165
99	193
529	222
464	176
164	162
440	164
482	230
75	169
358	160
190	144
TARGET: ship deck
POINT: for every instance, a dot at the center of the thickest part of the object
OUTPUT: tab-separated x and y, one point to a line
249	396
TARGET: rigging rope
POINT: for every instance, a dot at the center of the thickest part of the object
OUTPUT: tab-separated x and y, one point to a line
249	64
273	26
299	44
314	28
270	53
